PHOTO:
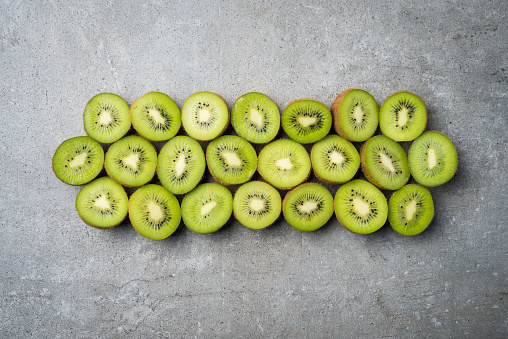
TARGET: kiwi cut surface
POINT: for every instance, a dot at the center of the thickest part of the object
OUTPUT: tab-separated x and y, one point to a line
284	163
131	161
155	116
207	208
334	160
257	204
432	159
360	207
106	118
384	163
306	120
410	210
256	118
308	207
231	160
205	115
355	114
403	116
154	212
78	160
102	203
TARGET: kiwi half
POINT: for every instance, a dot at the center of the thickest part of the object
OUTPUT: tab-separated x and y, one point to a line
308	207
360	207
207	208
154	212
131	161
102	203
355	114
257	204
432	159
334	160
205	115
155	116
403	116
384	163
256	118
106	118
410	210
284	163
306	120
78	160
231	160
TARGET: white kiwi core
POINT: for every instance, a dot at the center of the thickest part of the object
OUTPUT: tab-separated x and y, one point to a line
102	202
308	206
257	204
180	165
208	207
431	158
284	164
336	157
78	161
410	210
361	207
156	116
387	162
232	158
403	116
204	115
105	117
131	160
306	121
154	211
358	114
256	117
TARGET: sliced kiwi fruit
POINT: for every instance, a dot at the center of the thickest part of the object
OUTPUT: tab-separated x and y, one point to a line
131	161
432	159
106	118
205	115
308	207
207	208
154	212
360	207
181	164
355	114
384	163
284	163
78	160
410	210
257	205
102	203
231	160
403	116
334	160
306	120
155	116
256	118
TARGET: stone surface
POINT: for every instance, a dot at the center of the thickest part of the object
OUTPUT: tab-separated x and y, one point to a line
61	278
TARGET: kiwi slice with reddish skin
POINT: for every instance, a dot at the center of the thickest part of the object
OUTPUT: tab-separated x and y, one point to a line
306	120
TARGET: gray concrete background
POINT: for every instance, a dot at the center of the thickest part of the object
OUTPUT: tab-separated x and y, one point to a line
61	278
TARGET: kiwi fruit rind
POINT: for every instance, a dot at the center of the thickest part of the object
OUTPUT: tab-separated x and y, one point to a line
256	118
355	114
403	116
284	163
155	116
384	163
78	160
106	118
102	203
207	208
131	161
360	207
308	207
257	205
231	160
154	212
306	120
432	159
205	116
334	160
410	210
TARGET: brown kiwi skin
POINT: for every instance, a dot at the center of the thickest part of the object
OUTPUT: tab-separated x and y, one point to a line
121	183
416	95
228	119
365	170
289	193
334	109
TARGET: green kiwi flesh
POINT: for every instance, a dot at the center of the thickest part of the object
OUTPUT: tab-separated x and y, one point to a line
432	159
78	160
306	120
256	118
207	208
106	118
154	212
410	210
360	207
131	161
155	116
102	203
257	205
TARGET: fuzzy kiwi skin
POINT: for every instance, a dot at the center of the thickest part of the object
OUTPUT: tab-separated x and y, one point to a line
334	109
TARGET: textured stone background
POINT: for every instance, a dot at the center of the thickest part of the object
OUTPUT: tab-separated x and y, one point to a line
60	278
